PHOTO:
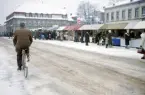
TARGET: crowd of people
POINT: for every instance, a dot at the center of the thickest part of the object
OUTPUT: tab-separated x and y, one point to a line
106	39
44	35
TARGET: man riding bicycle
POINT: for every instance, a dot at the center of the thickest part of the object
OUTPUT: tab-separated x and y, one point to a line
22	40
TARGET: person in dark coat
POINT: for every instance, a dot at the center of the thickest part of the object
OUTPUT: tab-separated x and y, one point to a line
127	39
109	39
87	38
22	40
97	38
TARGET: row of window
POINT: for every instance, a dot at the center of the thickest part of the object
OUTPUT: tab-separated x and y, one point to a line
43	15
34	22
124	14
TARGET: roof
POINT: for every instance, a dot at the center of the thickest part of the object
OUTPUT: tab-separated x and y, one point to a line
31	7
123	2
91	27
131	25
140	25
73	27
61	28
52	28
114	26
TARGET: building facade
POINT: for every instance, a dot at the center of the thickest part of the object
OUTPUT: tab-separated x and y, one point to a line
129	11
36	17
2	30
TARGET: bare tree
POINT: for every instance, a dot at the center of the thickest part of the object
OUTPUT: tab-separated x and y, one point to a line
86	11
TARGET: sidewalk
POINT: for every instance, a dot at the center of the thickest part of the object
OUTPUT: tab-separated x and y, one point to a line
114	51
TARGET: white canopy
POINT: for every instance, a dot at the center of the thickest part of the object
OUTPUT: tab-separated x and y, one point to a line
131	25
91	27
140	25
61	28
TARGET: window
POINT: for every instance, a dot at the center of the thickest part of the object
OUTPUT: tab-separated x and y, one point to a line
107	16
129	13
123	15
36	15
143	10
33	15
41	15
30	14
18	22
136	12
117	15
45	15
112	16
27	15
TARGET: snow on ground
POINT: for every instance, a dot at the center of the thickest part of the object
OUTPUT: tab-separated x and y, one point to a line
114	51
54	71
12	82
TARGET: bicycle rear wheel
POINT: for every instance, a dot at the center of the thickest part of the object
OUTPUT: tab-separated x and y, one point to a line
24	63
26	72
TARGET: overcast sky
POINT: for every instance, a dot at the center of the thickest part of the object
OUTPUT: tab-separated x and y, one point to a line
8	6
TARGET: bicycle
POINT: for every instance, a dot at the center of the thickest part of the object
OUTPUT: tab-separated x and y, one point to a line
24	63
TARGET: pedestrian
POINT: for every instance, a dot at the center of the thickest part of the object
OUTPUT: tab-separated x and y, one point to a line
127	39
35	35
109	39
143	44
50	36
87	38
97	38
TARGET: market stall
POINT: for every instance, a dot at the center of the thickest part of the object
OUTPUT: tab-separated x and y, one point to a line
117	31
92	29
135	39
72	32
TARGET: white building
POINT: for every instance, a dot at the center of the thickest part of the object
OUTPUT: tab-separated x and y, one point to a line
2	29
37	15
128	10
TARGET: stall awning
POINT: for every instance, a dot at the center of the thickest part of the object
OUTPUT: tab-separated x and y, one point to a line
114	26
91	27
61	28
73	27
131	25
140	25
52	28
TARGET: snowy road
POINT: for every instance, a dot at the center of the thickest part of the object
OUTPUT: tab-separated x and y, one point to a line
57	70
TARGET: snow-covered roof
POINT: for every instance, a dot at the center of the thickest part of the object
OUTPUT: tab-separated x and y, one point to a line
91	27
124	2
61	28
31	7
131	25
140	25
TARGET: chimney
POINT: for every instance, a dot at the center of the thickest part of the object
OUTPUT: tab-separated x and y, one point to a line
131	0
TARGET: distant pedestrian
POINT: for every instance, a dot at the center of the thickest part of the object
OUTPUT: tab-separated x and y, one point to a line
127	39
109	39
87	38
143	44
97	38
